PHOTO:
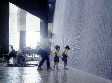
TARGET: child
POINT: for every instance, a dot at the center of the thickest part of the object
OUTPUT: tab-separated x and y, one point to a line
56	56
65	56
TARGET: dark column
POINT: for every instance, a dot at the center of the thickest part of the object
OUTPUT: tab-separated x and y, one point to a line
50	32
43	32
22	28
4	27
22	42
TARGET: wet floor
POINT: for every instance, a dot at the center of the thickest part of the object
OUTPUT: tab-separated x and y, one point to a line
31	75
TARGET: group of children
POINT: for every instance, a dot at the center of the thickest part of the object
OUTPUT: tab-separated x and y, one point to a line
63	55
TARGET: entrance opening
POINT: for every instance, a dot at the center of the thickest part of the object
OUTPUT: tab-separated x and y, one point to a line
32	31
31	26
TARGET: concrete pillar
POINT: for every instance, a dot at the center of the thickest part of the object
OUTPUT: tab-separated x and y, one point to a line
4	27
43	32
50	32
22	42
22	28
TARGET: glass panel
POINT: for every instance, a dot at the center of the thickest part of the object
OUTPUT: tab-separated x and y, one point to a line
32	39
13	32
33	23
32	28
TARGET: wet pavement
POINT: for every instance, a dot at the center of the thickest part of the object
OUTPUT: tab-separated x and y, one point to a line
32	75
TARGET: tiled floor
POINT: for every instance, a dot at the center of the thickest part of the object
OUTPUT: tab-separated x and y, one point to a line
31	75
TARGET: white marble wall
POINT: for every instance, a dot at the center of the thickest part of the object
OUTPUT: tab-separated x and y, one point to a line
86	25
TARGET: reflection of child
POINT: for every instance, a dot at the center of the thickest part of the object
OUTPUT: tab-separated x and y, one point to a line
65	56
56	56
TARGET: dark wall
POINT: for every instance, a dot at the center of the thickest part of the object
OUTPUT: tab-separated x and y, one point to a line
87	27
4	26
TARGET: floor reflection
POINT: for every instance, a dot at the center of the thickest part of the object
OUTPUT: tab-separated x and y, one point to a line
64	77
20	75
56	77
31	75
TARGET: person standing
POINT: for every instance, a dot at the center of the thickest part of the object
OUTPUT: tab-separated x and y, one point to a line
56	56
65	56
12	54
